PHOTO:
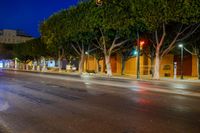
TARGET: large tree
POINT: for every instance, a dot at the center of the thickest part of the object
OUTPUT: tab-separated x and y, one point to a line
194	48
6	51
52	34
68	29
31	50
169	22
112	25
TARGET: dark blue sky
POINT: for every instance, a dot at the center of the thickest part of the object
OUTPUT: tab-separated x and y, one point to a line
27	14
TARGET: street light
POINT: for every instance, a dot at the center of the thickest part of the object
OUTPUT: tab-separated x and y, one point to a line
86	53
87	60
99	2
181	46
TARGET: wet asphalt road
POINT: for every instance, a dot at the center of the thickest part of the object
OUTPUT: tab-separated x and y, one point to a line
31	103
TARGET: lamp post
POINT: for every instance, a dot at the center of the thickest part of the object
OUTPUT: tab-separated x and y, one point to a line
181	46
87	53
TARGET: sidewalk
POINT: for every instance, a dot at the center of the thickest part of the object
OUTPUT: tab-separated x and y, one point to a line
115	77
123	82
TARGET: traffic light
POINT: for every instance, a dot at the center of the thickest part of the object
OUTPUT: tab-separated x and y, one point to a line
99	2
142	43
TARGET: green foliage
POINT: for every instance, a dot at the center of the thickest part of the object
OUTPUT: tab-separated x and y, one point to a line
32	49
52	33
6	51
82	24
113	17
153	13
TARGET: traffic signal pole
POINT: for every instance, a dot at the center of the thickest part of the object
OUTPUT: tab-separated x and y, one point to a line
138	55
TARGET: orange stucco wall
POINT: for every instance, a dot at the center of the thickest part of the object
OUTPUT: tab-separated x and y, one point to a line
130	66
194	66
166	67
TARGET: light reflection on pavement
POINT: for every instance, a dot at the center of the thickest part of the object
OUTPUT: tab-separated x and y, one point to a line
55	104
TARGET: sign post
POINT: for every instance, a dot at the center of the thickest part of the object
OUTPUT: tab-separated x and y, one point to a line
175	69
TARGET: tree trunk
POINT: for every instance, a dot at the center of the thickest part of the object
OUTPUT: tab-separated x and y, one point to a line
33	69
97	67
27	67
44	68
24	66
15	63
123	66
81	63
34	65
59	61
108	65
157	65
152	68
38	65
60	64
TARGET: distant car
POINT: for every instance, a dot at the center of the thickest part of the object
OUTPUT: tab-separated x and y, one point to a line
71	68
74	68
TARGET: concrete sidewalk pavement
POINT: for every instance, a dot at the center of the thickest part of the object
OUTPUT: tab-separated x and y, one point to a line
119	78
123	82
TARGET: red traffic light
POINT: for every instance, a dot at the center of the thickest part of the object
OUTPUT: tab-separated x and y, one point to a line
142	43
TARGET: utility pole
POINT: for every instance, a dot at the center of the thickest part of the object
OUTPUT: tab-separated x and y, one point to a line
138	55
182	63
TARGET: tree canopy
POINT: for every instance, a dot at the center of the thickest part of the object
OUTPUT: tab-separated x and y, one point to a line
107	28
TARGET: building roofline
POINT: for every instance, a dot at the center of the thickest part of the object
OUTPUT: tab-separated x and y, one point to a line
19	33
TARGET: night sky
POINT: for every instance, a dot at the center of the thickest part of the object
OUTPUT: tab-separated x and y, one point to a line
27	14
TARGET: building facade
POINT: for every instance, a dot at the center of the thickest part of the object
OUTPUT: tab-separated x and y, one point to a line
13	36
190	67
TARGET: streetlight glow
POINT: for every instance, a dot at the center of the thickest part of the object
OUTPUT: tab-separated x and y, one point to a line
180	45
99	2
135	52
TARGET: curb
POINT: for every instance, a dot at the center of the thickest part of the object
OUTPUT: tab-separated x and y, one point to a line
45	73
102	78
